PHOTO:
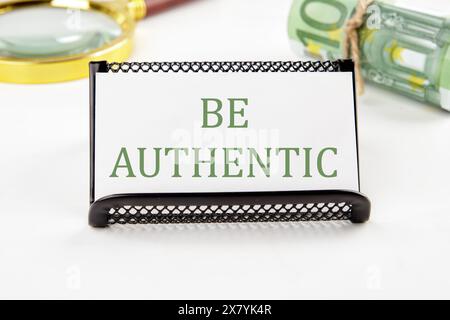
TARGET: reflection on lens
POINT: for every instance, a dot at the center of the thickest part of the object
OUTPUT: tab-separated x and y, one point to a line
37	32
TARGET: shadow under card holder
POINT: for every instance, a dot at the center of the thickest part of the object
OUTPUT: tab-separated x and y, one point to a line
223	142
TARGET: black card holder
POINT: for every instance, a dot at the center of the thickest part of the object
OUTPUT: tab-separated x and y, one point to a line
230	207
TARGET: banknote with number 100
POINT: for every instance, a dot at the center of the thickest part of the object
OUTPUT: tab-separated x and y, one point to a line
404	44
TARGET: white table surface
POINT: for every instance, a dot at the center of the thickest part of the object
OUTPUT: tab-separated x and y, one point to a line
47	249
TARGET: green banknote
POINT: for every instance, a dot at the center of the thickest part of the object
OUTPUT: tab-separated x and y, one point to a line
404	44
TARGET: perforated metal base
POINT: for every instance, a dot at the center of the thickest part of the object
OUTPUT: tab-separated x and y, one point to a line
230	208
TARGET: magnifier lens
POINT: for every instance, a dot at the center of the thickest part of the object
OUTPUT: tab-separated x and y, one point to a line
39	32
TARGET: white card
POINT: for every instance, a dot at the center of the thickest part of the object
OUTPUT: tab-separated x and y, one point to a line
157	132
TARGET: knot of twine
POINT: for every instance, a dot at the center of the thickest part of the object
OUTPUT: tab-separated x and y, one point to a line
351	43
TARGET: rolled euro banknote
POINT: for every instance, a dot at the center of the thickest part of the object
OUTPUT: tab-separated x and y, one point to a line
403	44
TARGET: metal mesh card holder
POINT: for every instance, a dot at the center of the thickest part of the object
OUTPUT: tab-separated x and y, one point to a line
231	207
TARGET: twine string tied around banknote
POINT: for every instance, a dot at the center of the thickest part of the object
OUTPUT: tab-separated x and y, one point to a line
351	43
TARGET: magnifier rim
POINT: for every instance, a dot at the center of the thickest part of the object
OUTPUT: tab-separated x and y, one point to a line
70	67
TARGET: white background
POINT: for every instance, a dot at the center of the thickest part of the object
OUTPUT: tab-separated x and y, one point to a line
48	251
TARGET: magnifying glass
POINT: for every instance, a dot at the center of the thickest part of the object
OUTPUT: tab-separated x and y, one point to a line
43	41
